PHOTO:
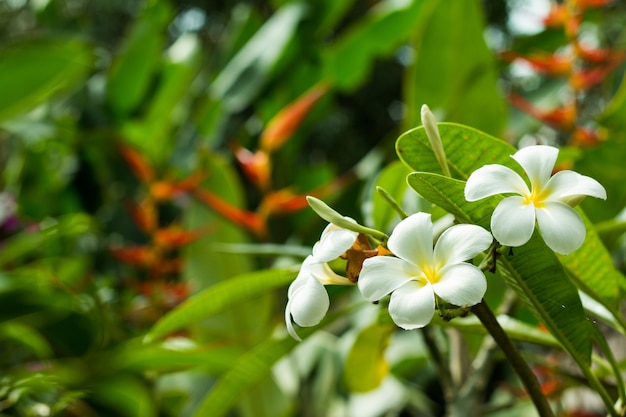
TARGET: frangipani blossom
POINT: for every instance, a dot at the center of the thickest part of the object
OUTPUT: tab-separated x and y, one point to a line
546	201
419	272
308	300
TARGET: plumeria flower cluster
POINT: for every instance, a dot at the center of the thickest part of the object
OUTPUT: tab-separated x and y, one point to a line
547	201
420	274
415	276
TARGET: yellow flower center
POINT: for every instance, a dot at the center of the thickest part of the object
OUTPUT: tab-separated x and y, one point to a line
431	274
536	198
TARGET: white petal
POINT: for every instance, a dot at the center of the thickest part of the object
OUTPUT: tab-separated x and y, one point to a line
289	323
303	275
513	222
412	305
412	239
461	284
326	276
381	275
538	162
494	179
460	243
561	227
333	243
309	303
570	183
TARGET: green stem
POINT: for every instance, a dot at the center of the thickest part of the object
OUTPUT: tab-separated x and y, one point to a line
392	202
519	365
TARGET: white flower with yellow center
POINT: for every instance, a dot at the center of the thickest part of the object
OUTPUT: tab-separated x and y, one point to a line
308	300
418	272
546	201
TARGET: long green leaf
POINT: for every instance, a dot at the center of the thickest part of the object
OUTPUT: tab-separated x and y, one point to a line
137	59
248	372
244	76
532	270
32	71
452	68
379	33
218	298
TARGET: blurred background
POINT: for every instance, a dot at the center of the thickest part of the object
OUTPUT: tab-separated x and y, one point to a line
153	150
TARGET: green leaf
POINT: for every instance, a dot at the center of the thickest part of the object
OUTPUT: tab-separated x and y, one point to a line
243	77
366	365
453	70
27	242
614	115
466	148
248	372
152	134
218	298
141	358
134	65
28	337
127	395
593	270
532	270
32	71
379	33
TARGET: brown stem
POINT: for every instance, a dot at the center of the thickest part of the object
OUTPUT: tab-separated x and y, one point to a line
486	317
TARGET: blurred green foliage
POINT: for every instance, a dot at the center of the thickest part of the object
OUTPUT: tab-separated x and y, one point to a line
143	271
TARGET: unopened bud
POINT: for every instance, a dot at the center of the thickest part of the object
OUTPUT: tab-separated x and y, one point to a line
430	125
332	216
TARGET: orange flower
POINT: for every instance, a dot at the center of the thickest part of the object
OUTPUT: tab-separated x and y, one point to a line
251	221
138	164
557	16
136	255
144	214
287	121
554	65
255	165
562	118
175	236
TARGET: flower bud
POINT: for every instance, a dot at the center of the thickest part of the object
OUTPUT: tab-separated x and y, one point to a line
430	125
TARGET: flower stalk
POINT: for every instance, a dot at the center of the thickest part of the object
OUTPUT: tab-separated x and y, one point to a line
519	365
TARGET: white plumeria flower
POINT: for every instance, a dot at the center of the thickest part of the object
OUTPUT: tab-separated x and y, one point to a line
419	272
513	220
308	300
